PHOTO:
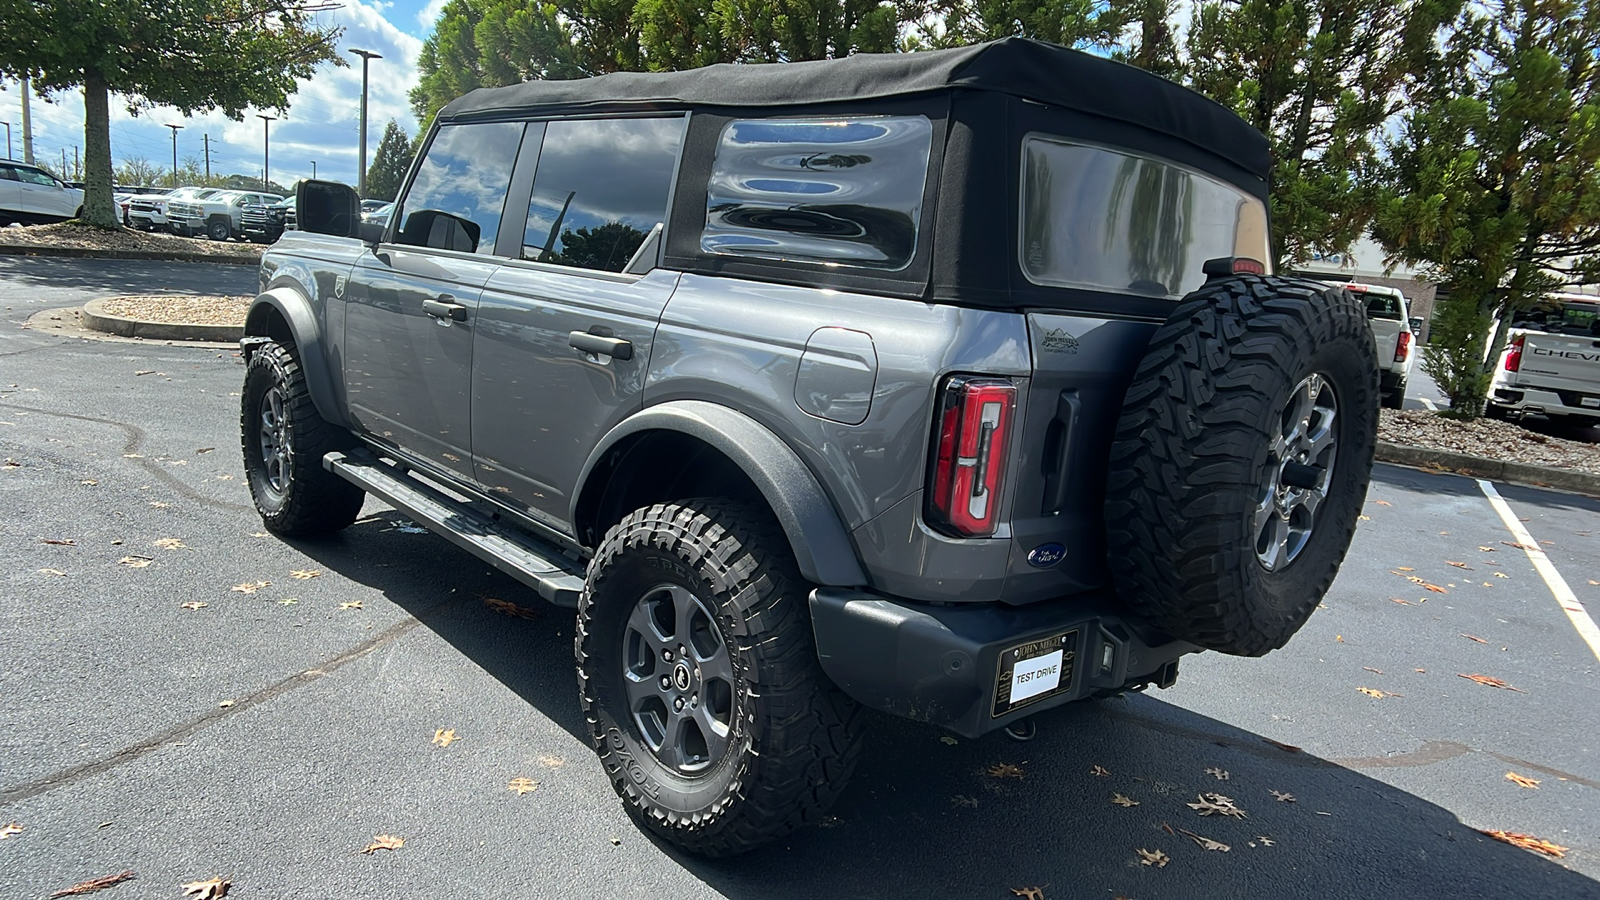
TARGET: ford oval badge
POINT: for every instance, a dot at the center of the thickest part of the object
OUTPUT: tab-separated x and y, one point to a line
1046	555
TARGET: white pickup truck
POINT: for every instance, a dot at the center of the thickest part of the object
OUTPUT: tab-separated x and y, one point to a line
1391	330
1551	363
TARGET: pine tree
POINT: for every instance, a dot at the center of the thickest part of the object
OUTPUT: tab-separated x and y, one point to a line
390	164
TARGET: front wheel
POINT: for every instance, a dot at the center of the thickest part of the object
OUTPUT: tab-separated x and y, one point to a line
219	230
284	440
698	676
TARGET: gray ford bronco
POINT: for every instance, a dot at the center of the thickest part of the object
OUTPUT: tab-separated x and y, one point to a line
952	385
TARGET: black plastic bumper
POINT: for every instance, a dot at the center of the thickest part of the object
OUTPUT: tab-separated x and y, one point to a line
945	664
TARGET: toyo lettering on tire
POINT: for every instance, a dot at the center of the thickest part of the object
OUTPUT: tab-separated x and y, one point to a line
1241	461
698	676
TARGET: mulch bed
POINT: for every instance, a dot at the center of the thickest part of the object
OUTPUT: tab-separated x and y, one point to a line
180	309
77	236
1487	438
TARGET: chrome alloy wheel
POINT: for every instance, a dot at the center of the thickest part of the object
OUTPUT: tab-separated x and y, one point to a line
277	451
678	676
1299	473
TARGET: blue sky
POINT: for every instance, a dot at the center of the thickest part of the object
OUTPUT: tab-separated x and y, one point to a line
322	122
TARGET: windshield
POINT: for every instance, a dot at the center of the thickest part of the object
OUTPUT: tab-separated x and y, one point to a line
1109	220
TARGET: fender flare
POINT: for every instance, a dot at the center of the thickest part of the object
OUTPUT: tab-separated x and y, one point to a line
821	546
309	346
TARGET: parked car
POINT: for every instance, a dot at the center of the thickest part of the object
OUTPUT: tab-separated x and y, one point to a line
954	384
1388	315
149	211
370	206
32	196
219	216
1551	364
378	215
262	223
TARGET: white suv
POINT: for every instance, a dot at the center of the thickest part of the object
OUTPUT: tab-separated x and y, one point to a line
30	195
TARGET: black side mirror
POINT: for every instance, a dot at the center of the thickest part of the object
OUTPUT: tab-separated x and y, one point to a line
370	232
327	207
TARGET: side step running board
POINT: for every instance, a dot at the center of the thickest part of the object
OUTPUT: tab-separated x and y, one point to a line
534	562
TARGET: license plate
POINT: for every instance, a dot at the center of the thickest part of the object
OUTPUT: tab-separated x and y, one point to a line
1033	671
1589	401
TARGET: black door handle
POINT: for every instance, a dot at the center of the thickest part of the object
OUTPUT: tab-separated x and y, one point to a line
600	345
442	310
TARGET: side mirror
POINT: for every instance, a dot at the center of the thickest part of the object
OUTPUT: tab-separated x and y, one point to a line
327	207
370	233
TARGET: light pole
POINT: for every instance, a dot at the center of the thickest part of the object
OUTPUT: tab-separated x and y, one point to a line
313	170
266	149
367	56
8	140
174	153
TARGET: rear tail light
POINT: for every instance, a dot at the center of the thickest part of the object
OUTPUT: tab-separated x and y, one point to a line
1514	355
972	434
1224	266
1402	348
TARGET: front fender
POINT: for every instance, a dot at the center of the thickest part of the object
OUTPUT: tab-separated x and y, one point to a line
284	308
821	546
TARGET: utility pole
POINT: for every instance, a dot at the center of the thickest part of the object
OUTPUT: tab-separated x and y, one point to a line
266	149
77	166
63	164
27	125
8	141
175	153
208	157
367	56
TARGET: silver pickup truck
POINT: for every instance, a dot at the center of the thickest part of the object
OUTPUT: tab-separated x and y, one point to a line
1551	363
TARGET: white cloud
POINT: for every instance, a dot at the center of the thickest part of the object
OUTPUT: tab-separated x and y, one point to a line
430	14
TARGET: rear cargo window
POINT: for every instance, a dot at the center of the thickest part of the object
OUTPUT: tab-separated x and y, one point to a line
1107	220
845	191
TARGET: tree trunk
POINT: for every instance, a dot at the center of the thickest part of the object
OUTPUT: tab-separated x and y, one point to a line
98	207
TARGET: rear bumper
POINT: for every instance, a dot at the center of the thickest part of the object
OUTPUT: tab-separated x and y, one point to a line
950	665
1531	399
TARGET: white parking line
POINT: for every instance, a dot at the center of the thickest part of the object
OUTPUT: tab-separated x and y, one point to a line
1428	403
1541	563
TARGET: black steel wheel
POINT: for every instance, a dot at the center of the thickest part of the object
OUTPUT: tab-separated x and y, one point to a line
284	440
698	676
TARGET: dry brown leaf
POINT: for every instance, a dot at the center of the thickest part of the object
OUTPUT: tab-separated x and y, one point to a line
1216	804
1528	842
1423	671
94	884
523	786
1153	858
1005	770
1491	682
1122	801
1435	588
353	604
1364	518
1501	575
205	450
1383	503
1204	842
1459	565
135	562
507	608
1265	841
89	482
1399	601
9	830
1405	568
250	587
1374	693
1282	796
1522	780
304	574
1592	581
56	572
1372	670
171	544
443	737
1520	546
59	542
384	842
194	604
288	601
1219	774
1487	549
1030	893
214	889
1474	638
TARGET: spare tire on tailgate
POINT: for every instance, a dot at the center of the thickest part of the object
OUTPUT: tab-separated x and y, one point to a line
1241	460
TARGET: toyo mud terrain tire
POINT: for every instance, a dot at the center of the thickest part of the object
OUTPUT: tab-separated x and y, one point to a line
1241	461
790	737
295	496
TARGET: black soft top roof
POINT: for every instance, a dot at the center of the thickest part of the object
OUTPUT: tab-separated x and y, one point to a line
1016	66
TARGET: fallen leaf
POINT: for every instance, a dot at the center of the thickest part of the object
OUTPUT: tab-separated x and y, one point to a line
304	574
1435	588
1405	568
1487	549
353	604
215	889
1030	893
1372	670
159	505
523	786
9	830
1124	802
288	601
1473	637
1548	543
258	534
1399	601
1282	796
1528	842
1383	503
1153	858
1216	804
444	737
1424	671
205	449
60	542
1520	546
89	482
1592	581
177	462
250	587
145	372
1100	771
964	801
1459	565
1290	748
1522	780
225	704
1265	841
1204	842
1338	638
135	562
194	604
1364	518
56	572
507	608
171	544
10	464
1374	693
616	842
95	884
947	739
1219	774
552	762
1491	682
384	842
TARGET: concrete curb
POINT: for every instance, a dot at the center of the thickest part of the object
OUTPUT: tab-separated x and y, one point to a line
96	318
1569	480
161	255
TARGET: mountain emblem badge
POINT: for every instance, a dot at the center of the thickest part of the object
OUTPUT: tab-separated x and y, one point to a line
1058	340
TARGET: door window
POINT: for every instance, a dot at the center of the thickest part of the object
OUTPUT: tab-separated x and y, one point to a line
7	173
457	198
34	176
601	187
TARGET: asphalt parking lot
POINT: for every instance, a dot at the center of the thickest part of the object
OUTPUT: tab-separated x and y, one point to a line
156	720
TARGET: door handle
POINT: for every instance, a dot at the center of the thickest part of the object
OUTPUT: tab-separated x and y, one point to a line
441	309
600	345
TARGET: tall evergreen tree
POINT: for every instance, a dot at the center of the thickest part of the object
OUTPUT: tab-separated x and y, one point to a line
195	55
1494	178
390	164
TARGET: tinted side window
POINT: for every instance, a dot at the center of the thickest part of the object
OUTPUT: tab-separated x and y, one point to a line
601	186
34	176
827	190
459	193
7	173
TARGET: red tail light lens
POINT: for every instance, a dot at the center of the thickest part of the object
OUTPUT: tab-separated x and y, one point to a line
1402	348
972	434
1514	356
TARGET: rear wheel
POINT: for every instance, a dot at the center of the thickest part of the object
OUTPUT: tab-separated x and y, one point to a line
698	676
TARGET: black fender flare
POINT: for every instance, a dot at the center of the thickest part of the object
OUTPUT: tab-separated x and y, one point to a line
821	546
295	309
